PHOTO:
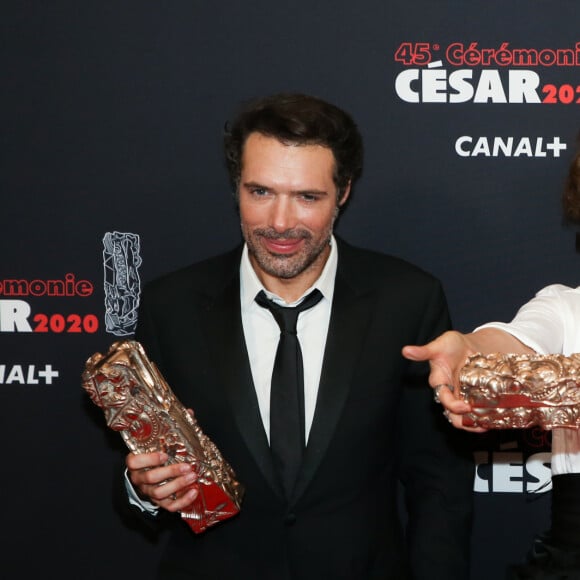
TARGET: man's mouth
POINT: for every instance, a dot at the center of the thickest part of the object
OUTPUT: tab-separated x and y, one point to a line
282	245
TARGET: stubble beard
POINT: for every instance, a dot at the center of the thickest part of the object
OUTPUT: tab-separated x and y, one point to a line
286	266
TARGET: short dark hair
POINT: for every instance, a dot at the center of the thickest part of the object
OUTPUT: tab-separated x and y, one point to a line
299	120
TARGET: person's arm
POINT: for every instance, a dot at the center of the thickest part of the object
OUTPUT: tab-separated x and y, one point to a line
546	324
447	355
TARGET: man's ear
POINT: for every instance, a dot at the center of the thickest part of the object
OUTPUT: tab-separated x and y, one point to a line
345	195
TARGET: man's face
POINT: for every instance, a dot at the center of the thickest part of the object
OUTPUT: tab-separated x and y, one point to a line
288	204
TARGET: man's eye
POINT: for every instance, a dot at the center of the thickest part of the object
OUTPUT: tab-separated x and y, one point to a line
259	191
309	197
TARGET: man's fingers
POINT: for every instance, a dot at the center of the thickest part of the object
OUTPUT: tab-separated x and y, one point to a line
170	490
160	475
175	494
179	501
145	460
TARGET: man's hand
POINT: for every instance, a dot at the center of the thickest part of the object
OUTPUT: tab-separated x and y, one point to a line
170	487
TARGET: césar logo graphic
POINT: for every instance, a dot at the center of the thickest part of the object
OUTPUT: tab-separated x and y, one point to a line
121	261
462	73
436	85
512	472
16	314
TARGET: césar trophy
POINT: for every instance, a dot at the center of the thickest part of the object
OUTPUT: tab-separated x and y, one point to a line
522	390
139	403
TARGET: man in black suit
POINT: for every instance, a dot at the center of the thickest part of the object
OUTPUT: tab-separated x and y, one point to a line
369	422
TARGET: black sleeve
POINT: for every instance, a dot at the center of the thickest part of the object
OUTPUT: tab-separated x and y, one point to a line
437	469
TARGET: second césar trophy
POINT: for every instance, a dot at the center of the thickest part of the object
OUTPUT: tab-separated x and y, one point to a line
522	390
138	402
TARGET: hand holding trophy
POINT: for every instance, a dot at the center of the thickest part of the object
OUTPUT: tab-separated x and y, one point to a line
138	402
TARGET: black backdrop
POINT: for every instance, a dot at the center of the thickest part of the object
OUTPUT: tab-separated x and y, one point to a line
112	115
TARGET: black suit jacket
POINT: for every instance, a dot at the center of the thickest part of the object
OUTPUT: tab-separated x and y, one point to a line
376	430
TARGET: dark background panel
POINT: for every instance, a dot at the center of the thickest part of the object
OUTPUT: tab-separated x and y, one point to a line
112	116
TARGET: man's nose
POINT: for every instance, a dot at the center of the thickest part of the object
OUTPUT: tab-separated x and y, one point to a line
282	216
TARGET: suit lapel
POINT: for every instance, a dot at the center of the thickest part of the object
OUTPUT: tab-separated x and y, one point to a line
349	319
350	316
223	327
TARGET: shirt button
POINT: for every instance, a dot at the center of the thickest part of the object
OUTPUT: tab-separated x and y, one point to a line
290	519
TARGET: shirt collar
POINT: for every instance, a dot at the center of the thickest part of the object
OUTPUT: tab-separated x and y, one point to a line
250	285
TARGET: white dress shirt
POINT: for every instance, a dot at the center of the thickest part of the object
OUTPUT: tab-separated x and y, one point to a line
550	324
262	333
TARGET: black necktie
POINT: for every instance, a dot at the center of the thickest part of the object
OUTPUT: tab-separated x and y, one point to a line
287	438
